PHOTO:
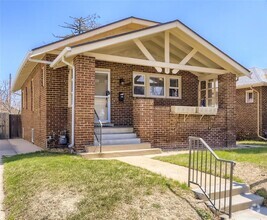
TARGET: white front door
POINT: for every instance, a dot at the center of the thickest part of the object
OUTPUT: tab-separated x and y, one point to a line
102	95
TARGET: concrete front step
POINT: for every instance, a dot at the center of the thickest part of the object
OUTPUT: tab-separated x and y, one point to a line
238	188
239	202
124	153
117	130
120	141
118	136
119	147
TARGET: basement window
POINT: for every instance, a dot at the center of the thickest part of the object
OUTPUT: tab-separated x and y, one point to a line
249	96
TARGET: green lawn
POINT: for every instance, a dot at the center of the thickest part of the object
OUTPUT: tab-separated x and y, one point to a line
251	155
251	142
59	186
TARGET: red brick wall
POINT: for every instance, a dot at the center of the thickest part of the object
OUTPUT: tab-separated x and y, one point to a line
143	118
56	98
121	112
172	131
50	103
264	111
84	100
35	118
247	114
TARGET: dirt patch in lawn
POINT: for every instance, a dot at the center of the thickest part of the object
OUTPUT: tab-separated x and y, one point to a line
167	205
53	205
255	176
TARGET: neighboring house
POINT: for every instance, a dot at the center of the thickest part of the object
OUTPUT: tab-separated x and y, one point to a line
136	73
252	105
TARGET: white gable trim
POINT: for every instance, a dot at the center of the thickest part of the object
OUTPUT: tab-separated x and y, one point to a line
91	33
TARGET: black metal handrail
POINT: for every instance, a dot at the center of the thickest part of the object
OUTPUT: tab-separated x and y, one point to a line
204	167
98	130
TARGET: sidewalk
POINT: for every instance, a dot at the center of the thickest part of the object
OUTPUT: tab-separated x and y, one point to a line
21	146
180	174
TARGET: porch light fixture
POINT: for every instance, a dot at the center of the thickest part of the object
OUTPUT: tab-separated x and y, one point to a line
122	82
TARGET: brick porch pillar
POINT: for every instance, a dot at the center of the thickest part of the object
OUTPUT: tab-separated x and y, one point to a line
227	102
84	100
143	119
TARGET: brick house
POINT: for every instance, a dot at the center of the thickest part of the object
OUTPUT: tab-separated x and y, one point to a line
162	81
251	99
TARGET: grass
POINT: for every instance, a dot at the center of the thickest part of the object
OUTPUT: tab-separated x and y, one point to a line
51	186
251	142
250	155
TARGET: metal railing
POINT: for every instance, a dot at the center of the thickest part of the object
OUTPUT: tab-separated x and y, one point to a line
98	130
211	174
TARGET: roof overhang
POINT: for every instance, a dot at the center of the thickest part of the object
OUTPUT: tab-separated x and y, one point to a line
210	56
251	85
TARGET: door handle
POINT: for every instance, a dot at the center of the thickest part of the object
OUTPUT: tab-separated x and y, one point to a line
107	93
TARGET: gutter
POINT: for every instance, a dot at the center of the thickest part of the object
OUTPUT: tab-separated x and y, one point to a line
258	114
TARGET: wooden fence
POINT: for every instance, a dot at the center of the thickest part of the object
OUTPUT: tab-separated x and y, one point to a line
10	126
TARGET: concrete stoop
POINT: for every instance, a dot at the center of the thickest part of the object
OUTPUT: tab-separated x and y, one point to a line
119	142
121	153
242	199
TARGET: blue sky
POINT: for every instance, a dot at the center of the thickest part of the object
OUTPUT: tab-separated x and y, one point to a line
239	28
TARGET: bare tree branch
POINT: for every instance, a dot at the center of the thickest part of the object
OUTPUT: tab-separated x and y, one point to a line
80	25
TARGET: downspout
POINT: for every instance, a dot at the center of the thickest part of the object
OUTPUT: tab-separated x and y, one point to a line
258	114
71	145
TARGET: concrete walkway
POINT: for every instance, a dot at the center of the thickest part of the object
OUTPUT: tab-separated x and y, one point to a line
180	174
12	147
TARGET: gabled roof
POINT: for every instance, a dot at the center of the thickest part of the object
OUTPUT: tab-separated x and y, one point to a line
258	78
97	41
93	32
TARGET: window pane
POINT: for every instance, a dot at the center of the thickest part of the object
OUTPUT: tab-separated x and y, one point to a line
139	90
173	82
210	84
210	93
139	80
203	84
210	103
156	86
174	92
203	94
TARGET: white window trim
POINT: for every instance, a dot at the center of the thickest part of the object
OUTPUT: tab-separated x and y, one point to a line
171	87
166	85
206	79
145	84
148	90
247	95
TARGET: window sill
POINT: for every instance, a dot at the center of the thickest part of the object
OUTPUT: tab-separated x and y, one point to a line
194	110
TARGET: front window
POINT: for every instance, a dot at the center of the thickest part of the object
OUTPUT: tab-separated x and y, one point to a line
156	85
174	87
249	96
139	85
208	93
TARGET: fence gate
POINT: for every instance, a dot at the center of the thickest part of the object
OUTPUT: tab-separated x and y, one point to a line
15	126
4	125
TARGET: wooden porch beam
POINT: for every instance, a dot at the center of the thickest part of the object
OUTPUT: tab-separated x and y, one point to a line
147	54
167	49
141	62
186	59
